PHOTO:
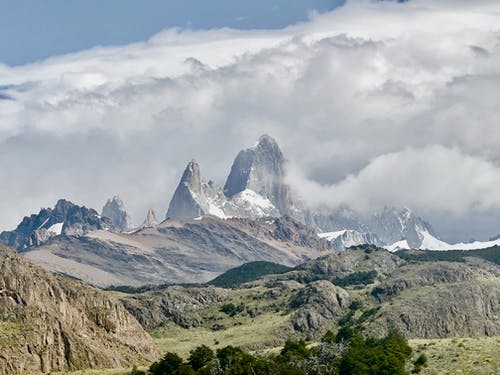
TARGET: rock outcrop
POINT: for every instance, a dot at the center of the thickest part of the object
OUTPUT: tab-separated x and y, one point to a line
189	200
114	209
50	323
318	304
150	221
175	304
353	260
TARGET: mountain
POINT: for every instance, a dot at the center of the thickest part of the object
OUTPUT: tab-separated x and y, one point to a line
114	209
195	198
395	224
255	188
150	221
261	169
177	251
189	200
65	218
51	323
346	238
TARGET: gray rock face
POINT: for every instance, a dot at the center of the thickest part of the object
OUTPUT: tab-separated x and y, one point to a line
114	209
383	228
394	224
341	264
261	169
318	303
440	300
176	304
65	218
189	200
50	323
150	221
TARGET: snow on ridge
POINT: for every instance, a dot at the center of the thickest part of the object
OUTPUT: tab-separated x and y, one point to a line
400	245
255	199
430	242
330	236
216	211
56	228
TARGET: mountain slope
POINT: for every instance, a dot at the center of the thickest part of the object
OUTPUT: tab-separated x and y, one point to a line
49	323
177	251
365	288
247	272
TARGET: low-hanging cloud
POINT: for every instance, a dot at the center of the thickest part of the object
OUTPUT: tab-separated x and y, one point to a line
430	178
374	103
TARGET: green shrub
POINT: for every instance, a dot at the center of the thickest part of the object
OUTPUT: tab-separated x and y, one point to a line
231	309
200	357
356	278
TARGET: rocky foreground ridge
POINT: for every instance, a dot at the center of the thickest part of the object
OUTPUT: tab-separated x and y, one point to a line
51	323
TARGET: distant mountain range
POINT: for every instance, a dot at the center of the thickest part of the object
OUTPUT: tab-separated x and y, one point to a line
255	216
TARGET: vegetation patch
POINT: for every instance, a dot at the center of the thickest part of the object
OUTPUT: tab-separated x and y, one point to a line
357	355
248	272
356	278
491	254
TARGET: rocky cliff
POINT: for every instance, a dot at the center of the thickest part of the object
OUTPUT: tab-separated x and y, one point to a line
50	323
114	209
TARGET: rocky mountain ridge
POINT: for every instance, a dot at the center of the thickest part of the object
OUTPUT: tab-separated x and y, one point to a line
177	251
66	218
50	323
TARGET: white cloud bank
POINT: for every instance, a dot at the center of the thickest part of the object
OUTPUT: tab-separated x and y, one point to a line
375	103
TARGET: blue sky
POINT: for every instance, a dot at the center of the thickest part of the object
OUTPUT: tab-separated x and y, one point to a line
32	30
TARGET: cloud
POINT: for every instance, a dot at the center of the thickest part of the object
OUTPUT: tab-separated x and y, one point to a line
431	178
351	95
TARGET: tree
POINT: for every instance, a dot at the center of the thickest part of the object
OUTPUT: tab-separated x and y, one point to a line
169	364
200	356
385	356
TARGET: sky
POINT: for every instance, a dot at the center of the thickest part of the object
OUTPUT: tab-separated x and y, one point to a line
32	30
373	104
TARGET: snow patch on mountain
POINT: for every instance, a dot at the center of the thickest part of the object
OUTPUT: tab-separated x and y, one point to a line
346	238
430	242
330	236
56	228
399	245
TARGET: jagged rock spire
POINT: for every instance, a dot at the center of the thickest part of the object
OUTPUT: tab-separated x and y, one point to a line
150	220
261	168
188	200
114	209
